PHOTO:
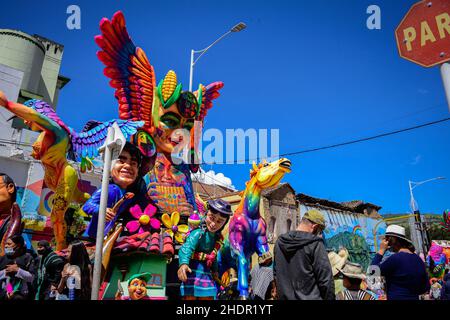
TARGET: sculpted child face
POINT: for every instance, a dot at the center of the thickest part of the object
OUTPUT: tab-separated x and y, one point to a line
125	170
137	289
214	221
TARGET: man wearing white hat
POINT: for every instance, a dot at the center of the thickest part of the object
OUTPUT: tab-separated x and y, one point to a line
404	271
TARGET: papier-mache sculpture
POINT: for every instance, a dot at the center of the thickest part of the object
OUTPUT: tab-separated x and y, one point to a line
56	144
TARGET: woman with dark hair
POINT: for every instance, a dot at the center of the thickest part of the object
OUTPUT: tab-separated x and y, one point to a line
405	272
76	280
16	271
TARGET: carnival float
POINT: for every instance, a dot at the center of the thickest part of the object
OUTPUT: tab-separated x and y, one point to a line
154	211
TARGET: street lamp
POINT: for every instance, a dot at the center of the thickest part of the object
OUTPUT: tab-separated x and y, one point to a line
238	27
416	212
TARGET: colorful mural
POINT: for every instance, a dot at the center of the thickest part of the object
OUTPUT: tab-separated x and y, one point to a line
358	233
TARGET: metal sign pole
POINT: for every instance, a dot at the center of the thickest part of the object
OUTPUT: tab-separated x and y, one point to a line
101	216
113	146
445	73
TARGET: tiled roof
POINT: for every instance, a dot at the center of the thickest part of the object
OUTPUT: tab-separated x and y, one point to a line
267	192
207	191
356	206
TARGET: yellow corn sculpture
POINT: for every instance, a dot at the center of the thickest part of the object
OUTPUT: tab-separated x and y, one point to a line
169	85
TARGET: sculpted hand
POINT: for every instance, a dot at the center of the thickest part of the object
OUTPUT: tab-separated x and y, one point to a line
153	193
182	272
110	214
185	208
3	100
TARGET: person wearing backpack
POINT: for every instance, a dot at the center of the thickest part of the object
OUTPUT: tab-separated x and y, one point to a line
48	271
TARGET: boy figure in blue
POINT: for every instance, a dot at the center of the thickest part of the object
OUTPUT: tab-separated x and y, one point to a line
125	187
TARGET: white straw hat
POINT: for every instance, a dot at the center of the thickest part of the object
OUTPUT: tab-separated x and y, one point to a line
397	231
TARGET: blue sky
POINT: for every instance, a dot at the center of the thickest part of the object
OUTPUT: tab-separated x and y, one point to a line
309	68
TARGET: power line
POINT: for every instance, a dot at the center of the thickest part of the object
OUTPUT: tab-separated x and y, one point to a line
307	150
342	143
201	185
368	138
220	183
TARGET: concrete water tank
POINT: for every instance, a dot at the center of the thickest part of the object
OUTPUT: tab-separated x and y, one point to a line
23	52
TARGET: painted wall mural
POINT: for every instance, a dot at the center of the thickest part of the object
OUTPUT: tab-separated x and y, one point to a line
358	233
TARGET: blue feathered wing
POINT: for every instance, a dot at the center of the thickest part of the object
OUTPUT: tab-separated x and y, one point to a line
87	143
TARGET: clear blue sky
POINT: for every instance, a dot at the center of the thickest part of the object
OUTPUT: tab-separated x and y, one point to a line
310	68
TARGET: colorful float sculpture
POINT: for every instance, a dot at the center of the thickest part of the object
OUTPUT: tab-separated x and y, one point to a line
247	229
137	287
164	108
55	144
167	113
436	261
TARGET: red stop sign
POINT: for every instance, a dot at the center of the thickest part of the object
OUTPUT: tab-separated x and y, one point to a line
423	36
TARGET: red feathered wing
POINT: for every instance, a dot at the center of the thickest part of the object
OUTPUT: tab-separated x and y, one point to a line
130	72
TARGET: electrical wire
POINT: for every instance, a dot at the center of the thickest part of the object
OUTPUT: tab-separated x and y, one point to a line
306	150
343	143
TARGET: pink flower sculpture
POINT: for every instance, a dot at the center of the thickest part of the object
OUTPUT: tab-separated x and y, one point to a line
144	221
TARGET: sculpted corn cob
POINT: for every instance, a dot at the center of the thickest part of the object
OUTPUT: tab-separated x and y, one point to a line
169	85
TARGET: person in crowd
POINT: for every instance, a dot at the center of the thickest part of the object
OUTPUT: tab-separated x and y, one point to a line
435	289
337	261
405	272
353	276
48	272
76	276
8	194
16	271
125	189
10	221
445	291
197	256
262	283
302	270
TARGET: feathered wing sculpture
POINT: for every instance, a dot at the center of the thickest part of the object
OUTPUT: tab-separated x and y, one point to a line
208	94
86	143
201	205
131	75
133	78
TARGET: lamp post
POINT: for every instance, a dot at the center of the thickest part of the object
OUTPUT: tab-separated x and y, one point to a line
422	239
239	27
